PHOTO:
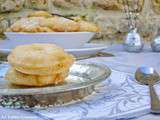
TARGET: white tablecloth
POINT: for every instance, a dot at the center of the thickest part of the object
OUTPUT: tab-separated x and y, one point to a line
119	97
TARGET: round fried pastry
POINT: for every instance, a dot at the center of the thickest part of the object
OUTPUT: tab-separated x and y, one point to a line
29	25
40	59
17	78
46	70
60	24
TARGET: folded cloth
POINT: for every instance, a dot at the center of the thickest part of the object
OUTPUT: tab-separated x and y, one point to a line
17	114
116	98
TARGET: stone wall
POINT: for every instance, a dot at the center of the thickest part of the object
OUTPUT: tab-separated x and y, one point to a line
108	14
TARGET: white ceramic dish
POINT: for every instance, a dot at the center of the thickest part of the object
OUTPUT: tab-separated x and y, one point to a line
87	49
63	39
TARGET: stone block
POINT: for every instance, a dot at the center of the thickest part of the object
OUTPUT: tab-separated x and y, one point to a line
11	5
156	6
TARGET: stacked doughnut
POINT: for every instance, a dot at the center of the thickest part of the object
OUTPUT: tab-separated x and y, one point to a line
38	65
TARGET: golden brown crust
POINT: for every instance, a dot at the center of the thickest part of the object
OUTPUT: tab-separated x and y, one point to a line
41	24
42	21
86	26
38	65
60	24
40	59
18	78
29	25
46	70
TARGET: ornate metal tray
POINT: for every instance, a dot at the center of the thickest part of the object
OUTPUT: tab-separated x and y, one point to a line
80	83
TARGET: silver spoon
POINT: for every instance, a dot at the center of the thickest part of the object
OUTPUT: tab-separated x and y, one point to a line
148	76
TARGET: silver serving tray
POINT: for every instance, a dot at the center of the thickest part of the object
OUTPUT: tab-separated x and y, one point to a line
80	83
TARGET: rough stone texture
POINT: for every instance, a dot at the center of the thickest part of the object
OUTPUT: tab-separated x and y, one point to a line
11	5
108	14
156	6
102	4
116	4
37	4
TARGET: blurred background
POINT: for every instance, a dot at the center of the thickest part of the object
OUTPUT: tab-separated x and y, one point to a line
108	14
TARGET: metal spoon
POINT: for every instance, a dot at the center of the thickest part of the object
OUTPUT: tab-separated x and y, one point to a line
148	76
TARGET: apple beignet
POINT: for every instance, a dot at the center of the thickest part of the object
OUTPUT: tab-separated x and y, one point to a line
40	59
32	24
38	65
18	78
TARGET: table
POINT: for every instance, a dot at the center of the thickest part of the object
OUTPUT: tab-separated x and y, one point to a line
119	62
145	58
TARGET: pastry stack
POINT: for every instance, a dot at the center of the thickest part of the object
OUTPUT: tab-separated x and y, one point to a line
38	65
41	21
